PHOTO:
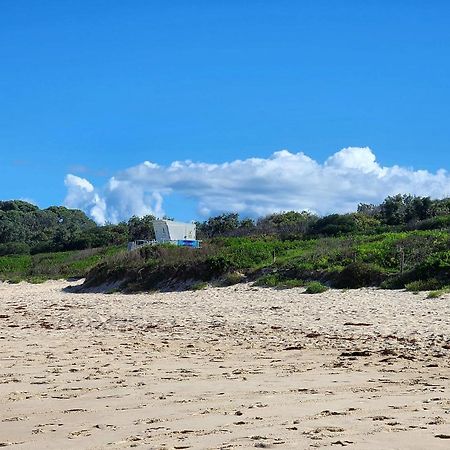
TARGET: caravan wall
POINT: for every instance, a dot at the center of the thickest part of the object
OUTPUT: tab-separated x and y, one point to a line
167	230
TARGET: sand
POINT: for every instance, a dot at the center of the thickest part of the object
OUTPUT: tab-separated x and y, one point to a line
236	367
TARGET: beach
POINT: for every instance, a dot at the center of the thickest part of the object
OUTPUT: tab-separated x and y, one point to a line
223	368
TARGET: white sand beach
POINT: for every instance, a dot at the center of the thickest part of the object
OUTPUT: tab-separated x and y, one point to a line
223	368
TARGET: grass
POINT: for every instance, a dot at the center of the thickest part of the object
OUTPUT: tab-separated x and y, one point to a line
37	280
422	285
276	281
315	288
291	283
270	280
199	286
13	266
44	266
439	293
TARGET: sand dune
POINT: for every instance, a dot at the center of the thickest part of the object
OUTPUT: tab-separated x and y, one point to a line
236	367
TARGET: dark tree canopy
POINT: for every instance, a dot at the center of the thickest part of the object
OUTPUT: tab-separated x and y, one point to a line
25	228
141	228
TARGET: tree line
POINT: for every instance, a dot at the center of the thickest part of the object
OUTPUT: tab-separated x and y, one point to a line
399	212
25	228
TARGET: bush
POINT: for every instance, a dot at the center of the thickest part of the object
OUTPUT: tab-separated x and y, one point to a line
218	265
314	287
199	286
422	285
269	280
233	278
439	293
291	283
14	248
434	223
335	225
15	280
276	280
36	280
358	275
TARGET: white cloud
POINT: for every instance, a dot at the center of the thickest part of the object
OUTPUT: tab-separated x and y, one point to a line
81	194
254	186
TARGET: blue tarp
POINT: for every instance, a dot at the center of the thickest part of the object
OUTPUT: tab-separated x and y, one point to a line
188	243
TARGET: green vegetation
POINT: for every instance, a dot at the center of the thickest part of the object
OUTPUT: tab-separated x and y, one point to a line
315	288
422	285
396	213
439	293
278	281
199	286
402	243
416	260
25	229
270	280
41	267
233	278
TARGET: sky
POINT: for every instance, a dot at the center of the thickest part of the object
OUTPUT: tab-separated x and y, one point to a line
201	107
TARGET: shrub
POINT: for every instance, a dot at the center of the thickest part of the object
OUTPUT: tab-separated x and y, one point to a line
393	282
434	223
15	280
422	285
358	275
233	278
291	283
217	265
14	248
439	293
314	287
36	280
435	294
438	261
335	225
269	280
278	281
199	286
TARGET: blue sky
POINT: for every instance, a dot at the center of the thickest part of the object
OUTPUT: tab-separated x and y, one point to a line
92	88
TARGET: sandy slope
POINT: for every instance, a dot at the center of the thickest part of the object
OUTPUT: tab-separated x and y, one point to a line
236	367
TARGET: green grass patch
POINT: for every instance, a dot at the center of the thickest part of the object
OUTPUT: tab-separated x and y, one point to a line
270	280
14	266
291	283
314	287
422	285
439	293
44	266
274	280
199	286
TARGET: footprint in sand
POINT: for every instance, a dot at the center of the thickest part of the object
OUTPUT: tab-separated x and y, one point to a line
77	434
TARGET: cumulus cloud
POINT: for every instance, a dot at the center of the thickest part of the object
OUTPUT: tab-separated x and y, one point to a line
254	186
81	194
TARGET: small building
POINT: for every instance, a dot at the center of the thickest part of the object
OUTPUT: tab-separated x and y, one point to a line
170	232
